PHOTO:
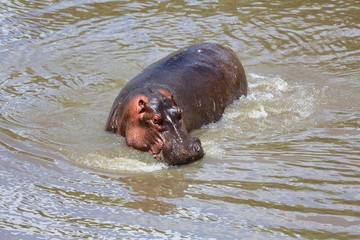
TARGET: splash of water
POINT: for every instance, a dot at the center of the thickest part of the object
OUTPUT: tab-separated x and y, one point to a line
271	104
118	158
122	164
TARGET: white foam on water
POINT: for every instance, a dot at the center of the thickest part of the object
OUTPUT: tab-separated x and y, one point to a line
118	157
270	83
212	148
122	164
272	105
258	112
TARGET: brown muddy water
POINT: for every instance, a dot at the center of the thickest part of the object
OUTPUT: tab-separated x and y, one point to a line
283	163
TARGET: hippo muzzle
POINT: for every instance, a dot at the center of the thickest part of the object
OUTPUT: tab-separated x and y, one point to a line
183	151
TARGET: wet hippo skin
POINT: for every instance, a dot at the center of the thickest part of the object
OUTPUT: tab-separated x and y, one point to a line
157	109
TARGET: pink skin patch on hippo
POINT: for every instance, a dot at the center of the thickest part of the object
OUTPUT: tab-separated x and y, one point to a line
142	130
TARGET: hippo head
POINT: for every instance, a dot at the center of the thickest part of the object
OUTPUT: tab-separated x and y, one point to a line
156	125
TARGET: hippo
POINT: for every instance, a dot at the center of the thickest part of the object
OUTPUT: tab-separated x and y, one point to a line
156	110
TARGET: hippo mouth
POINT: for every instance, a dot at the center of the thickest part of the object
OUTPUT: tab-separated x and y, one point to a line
157	155
156	150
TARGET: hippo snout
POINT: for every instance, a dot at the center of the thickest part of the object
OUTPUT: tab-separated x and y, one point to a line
180	154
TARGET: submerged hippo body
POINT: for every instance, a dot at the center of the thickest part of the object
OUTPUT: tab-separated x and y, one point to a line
181	92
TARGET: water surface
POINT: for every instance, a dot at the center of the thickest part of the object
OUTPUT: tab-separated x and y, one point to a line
282	163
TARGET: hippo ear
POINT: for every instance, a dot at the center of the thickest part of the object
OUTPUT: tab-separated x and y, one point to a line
142	106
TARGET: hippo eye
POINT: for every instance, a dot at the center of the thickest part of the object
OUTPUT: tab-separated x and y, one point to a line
157	120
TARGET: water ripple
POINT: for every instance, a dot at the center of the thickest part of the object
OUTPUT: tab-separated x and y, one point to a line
282	163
